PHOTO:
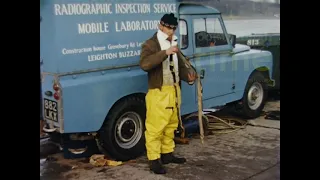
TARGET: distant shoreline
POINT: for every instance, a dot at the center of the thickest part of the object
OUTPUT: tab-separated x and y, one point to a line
228	17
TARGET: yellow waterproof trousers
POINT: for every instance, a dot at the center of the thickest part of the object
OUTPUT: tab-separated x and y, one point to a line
161	120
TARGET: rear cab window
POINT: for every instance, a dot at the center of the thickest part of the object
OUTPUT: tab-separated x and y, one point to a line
183	29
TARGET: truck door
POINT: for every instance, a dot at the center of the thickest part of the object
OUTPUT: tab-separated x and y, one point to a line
212	55
188	92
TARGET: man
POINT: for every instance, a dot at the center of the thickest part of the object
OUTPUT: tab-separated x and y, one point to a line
166	65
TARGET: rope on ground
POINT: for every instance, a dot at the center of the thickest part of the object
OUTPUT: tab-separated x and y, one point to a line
221	126
215	125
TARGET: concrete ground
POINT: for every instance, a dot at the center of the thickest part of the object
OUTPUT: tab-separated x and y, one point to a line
252	153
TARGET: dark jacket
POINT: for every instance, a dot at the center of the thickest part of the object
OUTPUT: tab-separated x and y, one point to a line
151	59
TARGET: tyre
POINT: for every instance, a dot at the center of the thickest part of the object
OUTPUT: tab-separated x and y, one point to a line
122	134
254	97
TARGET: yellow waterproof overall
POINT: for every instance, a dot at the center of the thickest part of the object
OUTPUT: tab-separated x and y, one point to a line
163	106
162	120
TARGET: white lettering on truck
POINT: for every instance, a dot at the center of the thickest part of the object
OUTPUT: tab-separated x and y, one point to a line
105	56
92	28
164	8
82	9
132	8
118	46
102	24
99	57
76	51
136	25
102	48
129	54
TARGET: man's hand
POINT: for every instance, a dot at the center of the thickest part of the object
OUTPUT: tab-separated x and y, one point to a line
192	77
171	50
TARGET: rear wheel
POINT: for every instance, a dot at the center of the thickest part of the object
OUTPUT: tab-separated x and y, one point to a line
254	97
122	134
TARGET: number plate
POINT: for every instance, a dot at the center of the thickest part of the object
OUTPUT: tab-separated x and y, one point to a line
50	110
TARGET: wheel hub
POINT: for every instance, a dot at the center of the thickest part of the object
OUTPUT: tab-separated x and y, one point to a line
128	130
255	95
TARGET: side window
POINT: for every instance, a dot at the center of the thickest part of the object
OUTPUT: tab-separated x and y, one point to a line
183	34
209	32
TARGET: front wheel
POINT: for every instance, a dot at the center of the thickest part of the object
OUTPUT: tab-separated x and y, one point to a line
254	97
122	134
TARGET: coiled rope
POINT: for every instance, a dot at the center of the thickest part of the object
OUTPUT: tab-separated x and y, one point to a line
215	125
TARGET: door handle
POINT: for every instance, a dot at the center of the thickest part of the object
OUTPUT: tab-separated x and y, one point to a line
202	73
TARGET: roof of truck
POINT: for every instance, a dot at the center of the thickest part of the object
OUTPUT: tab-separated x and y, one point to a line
192	8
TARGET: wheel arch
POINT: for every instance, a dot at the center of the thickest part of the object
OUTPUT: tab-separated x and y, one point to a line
140	95
266	72
241	105
105	136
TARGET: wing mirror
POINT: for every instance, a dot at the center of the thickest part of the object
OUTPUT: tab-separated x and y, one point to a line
233	39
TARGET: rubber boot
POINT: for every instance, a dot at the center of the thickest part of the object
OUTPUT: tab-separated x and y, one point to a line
170	158
157	167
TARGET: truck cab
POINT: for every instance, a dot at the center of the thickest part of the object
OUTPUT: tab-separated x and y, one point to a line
227	69
92	84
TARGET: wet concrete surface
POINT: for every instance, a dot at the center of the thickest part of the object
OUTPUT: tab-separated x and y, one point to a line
52	170
252	153
271	173
48	148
